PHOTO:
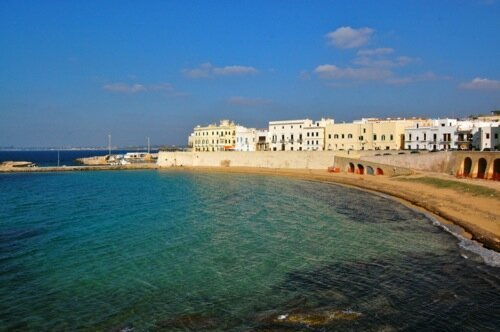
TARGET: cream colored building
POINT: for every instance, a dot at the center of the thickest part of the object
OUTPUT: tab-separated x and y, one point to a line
221	137
314	135
368	134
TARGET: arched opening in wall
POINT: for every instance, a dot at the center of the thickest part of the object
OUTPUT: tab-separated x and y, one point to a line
481	168
496	170
351	168
369	170
380	171
361	169
467	166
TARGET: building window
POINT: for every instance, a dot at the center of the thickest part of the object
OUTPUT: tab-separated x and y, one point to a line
307	134
360	138
330	136
487	135
349	135
364	130
317	143
335	136
383	137
392	137
342	135
317	134
374	137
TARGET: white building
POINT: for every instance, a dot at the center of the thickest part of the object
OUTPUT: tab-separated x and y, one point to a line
487	138
441	135
245	139
314	135
451	134
297	135
287	135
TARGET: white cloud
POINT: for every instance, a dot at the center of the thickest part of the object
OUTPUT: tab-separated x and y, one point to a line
427	76
161	87
244	101
399	61
481	84
207	70
361	74
347	37
166	88
124	88
376	51
202	71
235	70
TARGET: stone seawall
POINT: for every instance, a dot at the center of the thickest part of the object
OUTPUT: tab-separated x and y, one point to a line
261	159
439	162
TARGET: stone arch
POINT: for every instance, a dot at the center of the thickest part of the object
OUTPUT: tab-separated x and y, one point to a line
369	170
481	168
361	169
467	167
380	171
350	169
496	170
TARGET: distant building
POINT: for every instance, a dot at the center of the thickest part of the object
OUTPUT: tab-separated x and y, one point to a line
438	135
368	134
221	137
452	134
297	135
315	135
245	139
487	138
287	135
261	140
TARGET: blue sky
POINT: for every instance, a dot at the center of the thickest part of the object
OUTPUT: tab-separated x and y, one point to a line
73	72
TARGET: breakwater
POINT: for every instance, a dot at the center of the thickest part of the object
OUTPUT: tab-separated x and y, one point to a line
76	168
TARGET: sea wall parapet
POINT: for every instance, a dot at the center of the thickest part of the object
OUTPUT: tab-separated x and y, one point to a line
261	159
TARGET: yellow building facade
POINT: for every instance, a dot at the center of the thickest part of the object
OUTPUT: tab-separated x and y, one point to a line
367	134
221	137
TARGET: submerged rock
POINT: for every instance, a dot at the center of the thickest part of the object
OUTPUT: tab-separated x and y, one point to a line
315	319
196	322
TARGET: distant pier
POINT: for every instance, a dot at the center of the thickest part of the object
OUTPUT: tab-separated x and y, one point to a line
37	169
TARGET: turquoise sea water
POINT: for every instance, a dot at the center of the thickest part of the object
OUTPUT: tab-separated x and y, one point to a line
180	251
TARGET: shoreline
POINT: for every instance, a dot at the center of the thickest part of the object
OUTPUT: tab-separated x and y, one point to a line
477	216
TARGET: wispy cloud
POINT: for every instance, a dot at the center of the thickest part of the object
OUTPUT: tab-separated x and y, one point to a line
124	88
329	71
399	61
244	101
234	70
207	70
376	51
347	37
481	84
165	88
427	76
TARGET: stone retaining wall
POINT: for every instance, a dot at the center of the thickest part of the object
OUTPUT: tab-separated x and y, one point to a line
265	159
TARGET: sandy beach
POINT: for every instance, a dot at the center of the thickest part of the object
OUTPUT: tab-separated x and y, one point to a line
468	206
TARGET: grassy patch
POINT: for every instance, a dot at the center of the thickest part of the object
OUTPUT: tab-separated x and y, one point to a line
473	189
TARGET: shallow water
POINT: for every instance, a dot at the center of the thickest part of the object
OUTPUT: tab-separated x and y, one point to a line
174	251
